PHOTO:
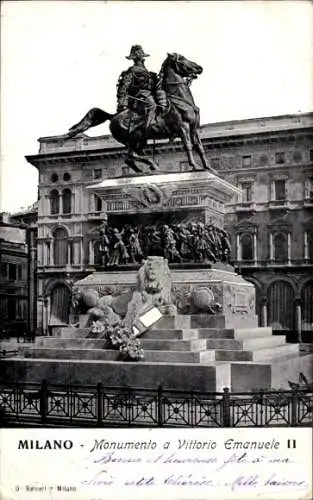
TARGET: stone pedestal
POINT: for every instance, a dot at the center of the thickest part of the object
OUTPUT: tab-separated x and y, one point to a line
181	197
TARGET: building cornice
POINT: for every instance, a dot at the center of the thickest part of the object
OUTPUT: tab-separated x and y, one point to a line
84	149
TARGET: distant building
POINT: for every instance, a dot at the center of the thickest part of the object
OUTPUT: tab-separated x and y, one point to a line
271	226
13	283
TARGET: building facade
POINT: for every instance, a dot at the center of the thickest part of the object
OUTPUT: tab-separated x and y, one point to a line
18	276
271	226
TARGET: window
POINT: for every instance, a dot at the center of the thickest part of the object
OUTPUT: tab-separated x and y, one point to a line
263	159
280	158
54	202
297	156
66	176
54	177
97	173
66	201
246	242
60	247
12	272
246	161
215	163
20	272
246	188
98	204
280	247
311	154
11	308
4	269
280	189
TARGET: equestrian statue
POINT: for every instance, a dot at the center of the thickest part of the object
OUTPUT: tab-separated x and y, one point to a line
152	106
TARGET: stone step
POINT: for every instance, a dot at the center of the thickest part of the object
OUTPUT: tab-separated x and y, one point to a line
263	342
190	321
273	353
232	355
181	376
70	332
173	345
161	344
75	343
114	355
248	333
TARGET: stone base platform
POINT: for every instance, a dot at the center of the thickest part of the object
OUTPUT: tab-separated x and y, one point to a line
180	353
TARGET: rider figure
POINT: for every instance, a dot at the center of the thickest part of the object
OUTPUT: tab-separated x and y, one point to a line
136	86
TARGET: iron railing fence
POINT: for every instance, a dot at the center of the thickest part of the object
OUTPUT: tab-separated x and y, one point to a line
99	406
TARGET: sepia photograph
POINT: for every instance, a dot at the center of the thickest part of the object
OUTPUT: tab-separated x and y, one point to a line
156	239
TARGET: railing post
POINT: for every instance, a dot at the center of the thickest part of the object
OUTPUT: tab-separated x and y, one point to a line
226	408
43	402
99	404
294	420
159	407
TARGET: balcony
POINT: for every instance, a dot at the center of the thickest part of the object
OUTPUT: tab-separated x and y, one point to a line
308	202
279	205
246	207
95	216
270	263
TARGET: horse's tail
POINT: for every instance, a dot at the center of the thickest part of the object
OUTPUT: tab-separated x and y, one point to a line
94	117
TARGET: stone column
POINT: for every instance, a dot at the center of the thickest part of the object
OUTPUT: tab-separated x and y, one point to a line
76	247
255	252
298	319
91	253
45	319
264	311
238	249
60	203
51	253
289	248
82	256
271	248
306	245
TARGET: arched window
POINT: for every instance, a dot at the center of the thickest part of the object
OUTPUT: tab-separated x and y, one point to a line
280	302
280	247
60	247
54	202
66	201
307	306
98	204
246	242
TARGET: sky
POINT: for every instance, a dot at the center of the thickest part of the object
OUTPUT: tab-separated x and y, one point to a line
60	58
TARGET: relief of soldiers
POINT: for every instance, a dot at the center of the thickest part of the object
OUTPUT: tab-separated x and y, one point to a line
170	251
134	247
104	246
183	239
136	87
226	246
119	254
153	242
191	242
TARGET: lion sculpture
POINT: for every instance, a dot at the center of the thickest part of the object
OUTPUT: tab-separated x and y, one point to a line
154	289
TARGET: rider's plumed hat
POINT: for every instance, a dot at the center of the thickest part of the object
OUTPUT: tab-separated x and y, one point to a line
136	51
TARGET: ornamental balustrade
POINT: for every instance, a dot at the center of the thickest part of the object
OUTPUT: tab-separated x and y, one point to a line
99	406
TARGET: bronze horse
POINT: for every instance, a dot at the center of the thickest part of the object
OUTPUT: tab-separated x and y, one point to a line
179	119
